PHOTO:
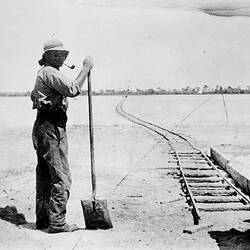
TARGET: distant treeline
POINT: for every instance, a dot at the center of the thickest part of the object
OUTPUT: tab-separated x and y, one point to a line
27	93
205	89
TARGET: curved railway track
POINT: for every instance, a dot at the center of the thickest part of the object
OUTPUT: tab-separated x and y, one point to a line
205	187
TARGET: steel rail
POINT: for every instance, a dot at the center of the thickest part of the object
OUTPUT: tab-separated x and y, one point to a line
156	128
246	199
195	211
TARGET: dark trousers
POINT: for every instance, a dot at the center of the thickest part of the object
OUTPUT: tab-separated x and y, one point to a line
53	178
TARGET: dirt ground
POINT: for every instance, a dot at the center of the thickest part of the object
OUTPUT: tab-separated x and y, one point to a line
145	200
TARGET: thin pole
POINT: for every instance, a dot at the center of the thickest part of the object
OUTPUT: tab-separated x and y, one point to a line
91	139
224	103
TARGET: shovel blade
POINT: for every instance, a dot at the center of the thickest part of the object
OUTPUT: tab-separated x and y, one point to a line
96	214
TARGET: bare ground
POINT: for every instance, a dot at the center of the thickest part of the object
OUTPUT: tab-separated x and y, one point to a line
145	199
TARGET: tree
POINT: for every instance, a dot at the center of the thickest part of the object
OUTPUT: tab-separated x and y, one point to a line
204	88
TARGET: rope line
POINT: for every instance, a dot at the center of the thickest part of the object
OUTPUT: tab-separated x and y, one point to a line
154	146
136	164
195	109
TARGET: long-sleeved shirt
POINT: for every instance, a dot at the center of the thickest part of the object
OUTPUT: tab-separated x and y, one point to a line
52	89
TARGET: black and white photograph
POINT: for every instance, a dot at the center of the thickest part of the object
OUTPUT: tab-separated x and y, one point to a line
125	124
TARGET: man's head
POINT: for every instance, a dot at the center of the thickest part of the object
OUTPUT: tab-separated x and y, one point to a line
54	53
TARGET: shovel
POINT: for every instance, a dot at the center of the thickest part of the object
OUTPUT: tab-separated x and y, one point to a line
95	211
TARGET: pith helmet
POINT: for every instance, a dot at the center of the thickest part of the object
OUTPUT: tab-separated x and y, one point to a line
54	44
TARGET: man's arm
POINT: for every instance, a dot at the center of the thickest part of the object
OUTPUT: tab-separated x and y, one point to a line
56	80
87	65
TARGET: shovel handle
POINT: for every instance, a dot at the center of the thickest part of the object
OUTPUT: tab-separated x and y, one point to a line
91	139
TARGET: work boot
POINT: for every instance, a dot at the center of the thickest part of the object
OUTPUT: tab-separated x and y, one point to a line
41	225
66	228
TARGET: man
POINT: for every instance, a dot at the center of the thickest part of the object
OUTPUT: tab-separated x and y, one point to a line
53	178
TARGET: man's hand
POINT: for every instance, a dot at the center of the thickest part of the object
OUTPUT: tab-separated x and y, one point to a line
88	62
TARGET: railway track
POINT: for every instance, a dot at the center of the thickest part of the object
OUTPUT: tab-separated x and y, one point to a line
205	187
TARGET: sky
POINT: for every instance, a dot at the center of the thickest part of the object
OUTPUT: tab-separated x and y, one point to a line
134	44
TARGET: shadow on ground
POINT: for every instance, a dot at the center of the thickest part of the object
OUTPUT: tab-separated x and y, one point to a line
232	239
30	225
